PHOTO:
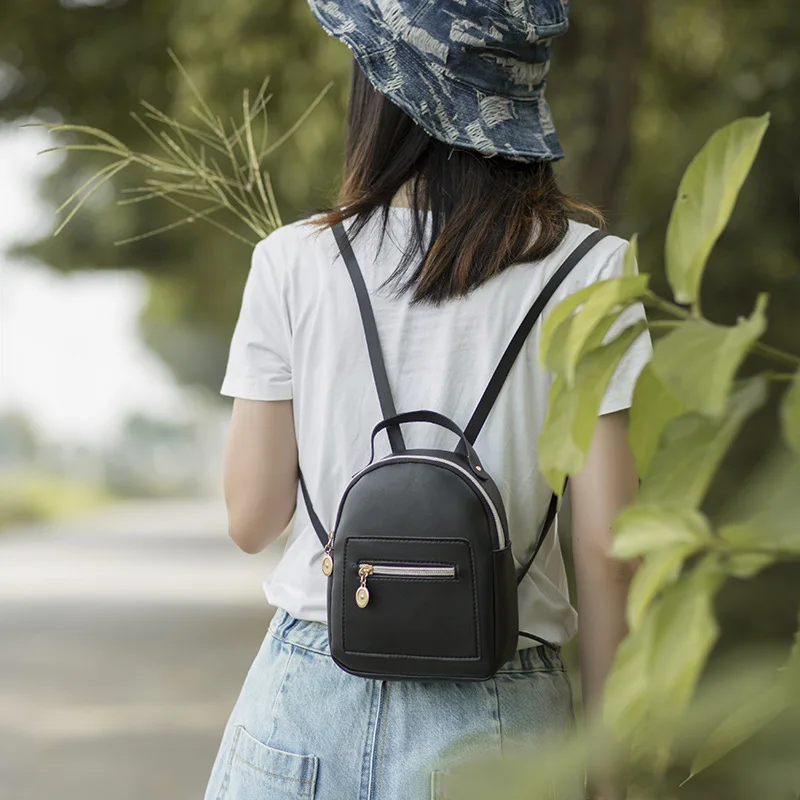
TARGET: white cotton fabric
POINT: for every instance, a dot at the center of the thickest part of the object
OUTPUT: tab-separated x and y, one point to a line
299	337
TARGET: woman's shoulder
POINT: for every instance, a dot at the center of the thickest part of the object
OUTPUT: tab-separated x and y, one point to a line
297	235
578	231
294	251
605	259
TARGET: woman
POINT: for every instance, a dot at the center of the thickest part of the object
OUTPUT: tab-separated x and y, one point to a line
454	215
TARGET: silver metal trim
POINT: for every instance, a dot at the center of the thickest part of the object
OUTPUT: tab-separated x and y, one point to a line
411	571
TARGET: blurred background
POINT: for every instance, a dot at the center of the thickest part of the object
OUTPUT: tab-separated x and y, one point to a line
127	618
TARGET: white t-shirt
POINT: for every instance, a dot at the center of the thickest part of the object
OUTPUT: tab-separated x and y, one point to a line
299	336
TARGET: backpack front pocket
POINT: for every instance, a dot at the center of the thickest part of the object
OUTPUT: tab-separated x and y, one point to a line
432	572
411	598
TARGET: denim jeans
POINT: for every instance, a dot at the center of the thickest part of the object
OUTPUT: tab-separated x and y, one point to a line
303	728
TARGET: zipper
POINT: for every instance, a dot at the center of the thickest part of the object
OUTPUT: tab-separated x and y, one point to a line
411	571
498	525
365	571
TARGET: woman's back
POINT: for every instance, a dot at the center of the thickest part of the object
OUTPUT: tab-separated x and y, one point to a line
300	337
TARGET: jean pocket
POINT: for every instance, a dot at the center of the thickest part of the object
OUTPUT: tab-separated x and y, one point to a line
256	771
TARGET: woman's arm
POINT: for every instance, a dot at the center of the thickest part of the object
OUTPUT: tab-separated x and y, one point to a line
260	472
607	483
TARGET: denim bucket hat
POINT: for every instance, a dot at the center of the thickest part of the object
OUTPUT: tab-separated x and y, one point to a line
470	72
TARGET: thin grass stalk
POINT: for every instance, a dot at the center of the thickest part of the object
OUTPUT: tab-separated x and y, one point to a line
156	191
238	169
159	116
193	217
159	141
215	223
271	193
99	148
264	130
303	117
255	164
83	186
107	177
245	210
186	163
87	129
192	87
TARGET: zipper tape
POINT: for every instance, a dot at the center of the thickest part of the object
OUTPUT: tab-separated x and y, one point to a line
409	571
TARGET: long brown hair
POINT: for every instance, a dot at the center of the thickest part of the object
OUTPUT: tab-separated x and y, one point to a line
484	211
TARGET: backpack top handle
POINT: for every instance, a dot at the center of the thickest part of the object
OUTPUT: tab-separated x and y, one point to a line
435	419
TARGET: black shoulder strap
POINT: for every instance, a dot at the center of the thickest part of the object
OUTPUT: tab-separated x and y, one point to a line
497	380
316	523
376	361
549	519
371	334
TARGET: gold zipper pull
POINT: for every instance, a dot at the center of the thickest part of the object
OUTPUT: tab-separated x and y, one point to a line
362	593
327	559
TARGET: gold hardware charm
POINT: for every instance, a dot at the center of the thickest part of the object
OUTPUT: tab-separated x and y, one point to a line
362	593
327	559
362	596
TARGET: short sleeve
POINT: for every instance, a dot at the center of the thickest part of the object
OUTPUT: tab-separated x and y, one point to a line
619	394
259	361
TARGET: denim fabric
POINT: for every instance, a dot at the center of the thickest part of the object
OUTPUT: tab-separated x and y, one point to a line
303	728
469	72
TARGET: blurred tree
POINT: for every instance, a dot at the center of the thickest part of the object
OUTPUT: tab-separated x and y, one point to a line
636	89
19	442
92	64
635	92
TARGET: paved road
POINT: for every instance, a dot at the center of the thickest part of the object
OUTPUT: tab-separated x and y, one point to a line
124	639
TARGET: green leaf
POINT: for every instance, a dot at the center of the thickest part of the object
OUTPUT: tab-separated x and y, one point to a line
747	565
706	197
790	414
561	356
629	265
593	316
774	526
609	294
657	665
572	412
698	361
693	446
641	530
654	407
666	538
743	723
685	633
626	700
657	571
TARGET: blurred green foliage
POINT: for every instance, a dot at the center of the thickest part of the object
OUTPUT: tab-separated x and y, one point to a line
34	496
688	408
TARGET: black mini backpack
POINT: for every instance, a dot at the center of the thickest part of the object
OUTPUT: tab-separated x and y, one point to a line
421	577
